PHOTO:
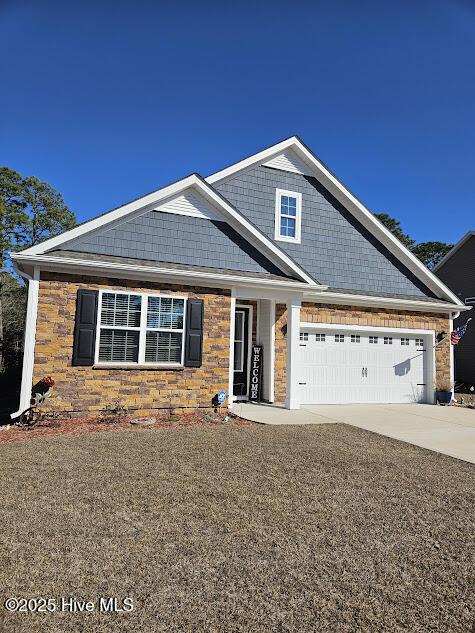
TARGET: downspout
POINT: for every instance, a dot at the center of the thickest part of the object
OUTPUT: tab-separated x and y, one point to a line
453	316
29	342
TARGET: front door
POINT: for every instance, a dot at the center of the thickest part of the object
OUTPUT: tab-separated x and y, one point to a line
241	353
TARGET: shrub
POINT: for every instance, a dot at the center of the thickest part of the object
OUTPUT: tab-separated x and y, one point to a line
114	414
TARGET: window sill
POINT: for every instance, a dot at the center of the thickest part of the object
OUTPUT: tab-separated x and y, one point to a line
291	240
142	367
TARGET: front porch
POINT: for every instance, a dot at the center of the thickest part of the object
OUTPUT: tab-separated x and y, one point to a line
253	322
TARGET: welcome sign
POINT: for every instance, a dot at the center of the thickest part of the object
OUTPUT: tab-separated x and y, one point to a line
255	378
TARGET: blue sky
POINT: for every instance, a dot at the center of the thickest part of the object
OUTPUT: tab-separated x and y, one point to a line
110	100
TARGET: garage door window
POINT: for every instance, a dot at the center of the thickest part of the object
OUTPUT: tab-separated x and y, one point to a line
304	336
419	342
388	340
320	338
355	338
373	340
404	341
339	338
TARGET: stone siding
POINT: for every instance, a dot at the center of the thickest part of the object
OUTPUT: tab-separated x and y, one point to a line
350	315
88	390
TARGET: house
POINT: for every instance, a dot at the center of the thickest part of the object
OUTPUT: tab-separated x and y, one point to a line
457	271
159	302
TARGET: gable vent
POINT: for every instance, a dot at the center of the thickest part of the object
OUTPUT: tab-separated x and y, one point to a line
192	204
289	161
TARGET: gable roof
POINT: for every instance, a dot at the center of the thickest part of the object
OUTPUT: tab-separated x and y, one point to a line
452	252
142	205
279	156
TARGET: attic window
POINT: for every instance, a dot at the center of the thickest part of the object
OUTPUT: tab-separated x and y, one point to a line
288	212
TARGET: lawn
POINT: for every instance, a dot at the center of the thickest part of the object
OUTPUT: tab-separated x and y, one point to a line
224	529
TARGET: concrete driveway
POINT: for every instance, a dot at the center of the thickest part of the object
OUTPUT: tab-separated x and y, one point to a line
447	430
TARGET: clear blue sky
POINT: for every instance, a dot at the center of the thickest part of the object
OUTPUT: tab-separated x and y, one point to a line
110	100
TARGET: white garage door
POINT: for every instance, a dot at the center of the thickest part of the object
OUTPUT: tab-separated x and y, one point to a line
339	366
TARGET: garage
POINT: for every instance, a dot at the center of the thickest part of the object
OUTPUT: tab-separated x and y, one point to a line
343	364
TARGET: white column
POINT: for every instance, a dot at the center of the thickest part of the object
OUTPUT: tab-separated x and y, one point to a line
231	349
29	343
267	340
293	341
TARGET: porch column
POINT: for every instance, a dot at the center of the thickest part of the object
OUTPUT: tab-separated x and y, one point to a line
267	340
231	348
293	342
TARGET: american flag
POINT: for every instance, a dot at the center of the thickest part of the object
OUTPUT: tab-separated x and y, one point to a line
458	333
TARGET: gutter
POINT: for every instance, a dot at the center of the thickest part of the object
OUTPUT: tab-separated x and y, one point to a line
220	280
341	298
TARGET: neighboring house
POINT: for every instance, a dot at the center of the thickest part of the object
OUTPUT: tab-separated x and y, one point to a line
457	270
157	303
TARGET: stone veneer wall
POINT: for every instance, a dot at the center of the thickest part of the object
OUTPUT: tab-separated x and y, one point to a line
87	390
349	315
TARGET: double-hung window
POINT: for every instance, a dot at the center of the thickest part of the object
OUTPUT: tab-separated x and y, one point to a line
288	215
140	329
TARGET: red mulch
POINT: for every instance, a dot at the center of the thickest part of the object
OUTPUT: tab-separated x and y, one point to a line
78	426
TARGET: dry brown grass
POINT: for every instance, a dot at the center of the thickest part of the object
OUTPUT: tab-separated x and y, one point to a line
325	528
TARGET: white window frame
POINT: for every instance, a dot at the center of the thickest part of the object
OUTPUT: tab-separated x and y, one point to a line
142	329
239	307
298	216
241	339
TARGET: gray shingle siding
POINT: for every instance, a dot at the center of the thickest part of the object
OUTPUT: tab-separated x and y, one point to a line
177	239
335	249
458	274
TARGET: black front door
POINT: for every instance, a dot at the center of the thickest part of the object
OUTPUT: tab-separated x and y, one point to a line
241	352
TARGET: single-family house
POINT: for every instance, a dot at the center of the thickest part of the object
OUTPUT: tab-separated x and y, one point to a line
159	302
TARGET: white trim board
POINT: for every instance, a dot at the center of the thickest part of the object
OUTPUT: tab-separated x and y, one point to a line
246	229
249	287
305	325
29	343
158	272
369	301
349	201
231	349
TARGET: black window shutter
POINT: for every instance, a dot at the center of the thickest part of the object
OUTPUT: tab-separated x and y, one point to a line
194	333
85	329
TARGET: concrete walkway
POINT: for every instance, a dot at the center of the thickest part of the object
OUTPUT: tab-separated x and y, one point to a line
447	430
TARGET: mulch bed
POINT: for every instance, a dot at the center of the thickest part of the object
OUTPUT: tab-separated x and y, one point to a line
79	426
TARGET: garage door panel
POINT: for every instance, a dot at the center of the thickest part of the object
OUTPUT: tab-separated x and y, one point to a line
360	369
